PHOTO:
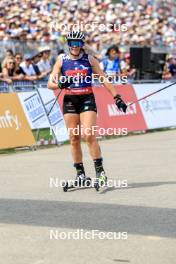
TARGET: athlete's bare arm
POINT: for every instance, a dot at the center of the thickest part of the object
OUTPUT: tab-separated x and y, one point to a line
97	70
54	76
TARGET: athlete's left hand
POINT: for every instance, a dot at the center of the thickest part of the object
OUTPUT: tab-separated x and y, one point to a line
120	103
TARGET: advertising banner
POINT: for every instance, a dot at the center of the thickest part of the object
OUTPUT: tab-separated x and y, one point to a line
36	105
110	117
159	110
56	119
14	128
34	110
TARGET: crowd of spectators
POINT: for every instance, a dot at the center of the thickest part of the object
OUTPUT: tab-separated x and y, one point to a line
30	22
149	22
31	67
38	65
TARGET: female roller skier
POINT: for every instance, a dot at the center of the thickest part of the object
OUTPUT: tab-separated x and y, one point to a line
79	106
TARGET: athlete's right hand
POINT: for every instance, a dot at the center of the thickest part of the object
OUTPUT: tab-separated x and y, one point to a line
65	82
121	105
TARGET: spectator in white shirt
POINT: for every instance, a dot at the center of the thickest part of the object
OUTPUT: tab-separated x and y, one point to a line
44	64
27	67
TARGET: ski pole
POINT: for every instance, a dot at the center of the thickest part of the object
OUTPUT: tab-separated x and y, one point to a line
146	96
54	103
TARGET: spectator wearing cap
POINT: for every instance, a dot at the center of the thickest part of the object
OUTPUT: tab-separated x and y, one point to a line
111	64
36	57
44	64
27	67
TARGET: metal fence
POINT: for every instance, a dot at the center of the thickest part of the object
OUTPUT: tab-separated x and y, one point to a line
21	86
26	86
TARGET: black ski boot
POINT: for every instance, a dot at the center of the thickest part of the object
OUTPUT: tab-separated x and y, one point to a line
101	178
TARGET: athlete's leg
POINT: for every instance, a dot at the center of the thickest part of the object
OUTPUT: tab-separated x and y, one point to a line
72	121
88	121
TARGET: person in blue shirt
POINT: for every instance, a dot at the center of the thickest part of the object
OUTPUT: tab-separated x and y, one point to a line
111	64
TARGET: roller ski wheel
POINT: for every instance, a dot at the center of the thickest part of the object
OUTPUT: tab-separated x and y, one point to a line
96	186
65	187
101	180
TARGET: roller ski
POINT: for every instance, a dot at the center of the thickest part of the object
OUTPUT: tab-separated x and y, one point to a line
81	181
100	181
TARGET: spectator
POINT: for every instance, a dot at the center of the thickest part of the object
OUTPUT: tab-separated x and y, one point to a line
147	23
126	70
28	69
18	60
44	64
166	75
9	53
36	57
8	71
110	64
172	67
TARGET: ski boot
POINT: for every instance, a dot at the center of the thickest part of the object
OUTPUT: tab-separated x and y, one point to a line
100	180
82	181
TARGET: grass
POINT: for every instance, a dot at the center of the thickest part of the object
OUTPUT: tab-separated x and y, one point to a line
43	133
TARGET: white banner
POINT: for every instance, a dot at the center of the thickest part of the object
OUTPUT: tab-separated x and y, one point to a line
33	104
159	110
57	122
34	110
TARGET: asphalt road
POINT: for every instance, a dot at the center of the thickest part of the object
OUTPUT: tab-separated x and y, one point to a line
40	224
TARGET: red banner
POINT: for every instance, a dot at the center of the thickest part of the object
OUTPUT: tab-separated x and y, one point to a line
110	117
108	114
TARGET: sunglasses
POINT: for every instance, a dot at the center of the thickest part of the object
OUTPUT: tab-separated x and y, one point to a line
73	43
19	58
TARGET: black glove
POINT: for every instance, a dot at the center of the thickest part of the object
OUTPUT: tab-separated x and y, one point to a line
65	82
120	103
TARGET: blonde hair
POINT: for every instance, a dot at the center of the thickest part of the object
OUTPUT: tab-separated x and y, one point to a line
5	62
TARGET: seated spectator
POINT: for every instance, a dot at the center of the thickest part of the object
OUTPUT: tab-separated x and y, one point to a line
44	64
110	65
